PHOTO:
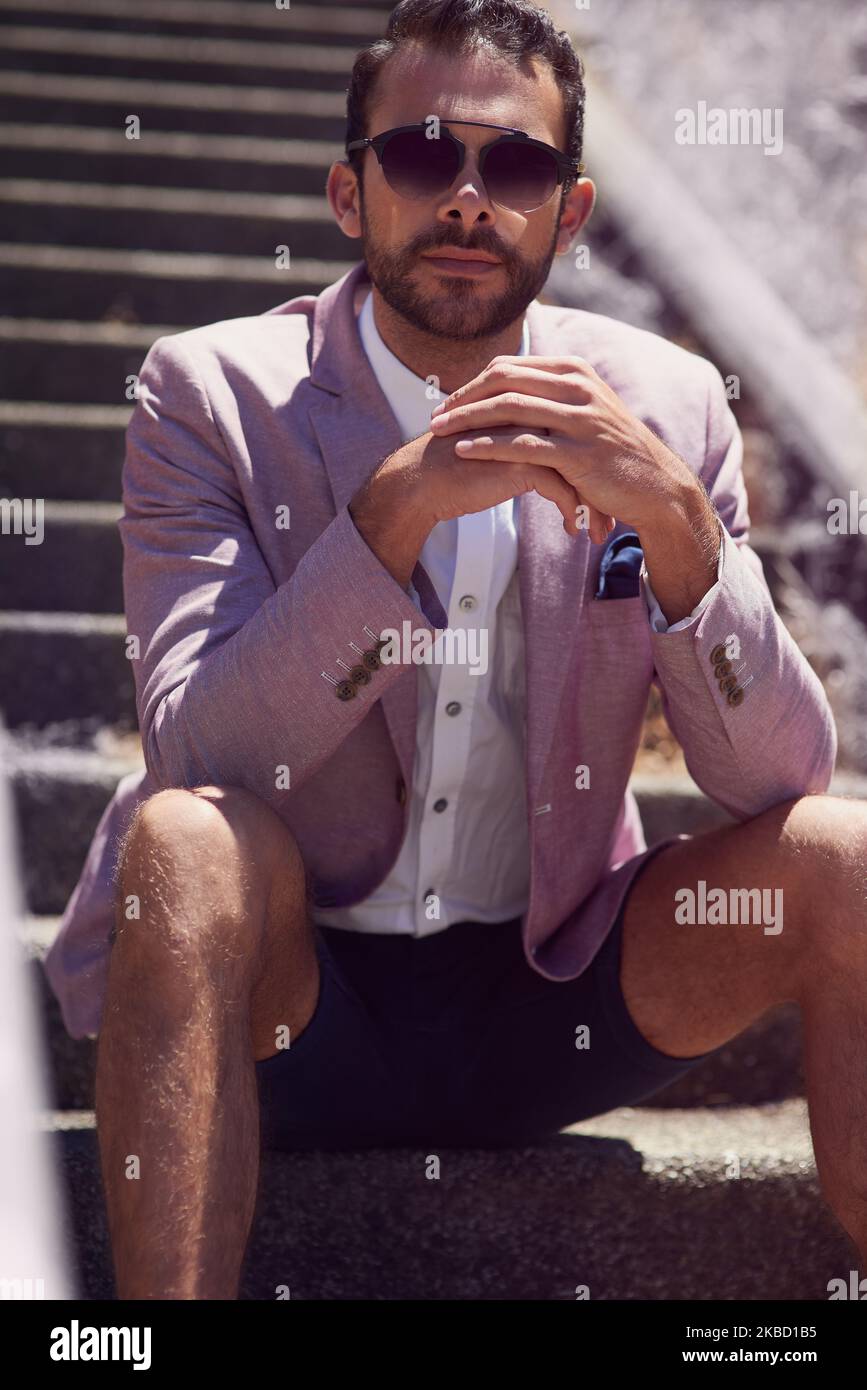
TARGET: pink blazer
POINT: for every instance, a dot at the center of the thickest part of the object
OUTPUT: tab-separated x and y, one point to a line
240	621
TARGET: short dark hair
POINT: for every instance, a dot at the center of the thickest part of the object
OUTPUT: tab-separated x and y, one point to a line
516	27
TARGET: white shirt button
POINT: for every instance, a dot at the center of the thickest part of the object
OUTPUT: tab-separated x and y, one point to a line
467	603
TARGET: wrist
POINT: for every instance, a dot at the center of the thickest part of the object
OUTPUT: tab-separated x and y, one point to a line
681	551
387	515
683	515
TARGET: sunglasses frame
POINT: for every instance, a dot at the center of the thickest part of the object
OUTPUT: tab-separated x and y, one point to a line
567	169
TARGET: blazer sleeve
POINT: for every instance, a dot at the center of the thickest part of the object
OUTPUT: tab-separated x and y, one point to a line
779	741
227	666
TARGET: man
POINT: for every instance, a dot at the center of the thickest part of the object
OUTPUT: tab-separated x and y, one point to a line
424	876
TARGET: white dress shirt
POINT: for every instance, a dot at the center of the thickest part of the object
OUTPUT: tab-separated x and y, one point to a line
466	853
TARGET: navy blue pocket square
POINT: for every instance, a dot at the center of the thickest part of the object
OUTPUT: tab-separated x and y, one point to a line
620	567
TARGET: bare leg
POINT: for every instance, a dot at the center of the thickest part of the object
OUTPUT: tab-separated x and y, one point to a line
692	988
221	955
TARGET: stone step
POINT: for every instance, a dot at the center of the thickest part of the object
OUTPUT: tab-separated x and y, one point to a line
76	568
35	48
233	163
56	667
69	1063
60	791
136	217
63	99
218	19
70	453
627	1205
80	283
72	362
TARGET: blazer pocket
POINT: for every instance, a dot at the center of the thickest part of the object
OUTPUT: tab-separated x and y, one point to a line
615	612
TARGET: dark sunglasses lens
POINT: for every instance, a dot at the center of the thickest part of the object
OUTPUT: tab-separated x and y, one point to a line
520	176
416	167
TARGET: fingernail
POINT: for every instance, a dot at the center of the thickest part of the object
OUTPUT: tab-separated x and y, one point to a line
437	408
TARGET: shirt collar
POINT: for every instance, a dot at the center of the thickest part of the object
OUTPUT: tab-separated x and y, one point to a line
411	397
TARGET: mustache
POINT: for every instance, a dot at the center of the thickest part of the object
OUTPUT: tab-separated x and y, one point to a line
432	241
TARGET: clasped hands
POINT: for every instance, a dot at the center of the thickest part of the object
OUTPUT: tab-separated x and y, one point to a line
558	412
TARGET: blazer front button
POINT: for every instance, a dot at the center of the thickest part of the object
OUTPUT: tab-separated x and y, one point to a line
345	690
718	654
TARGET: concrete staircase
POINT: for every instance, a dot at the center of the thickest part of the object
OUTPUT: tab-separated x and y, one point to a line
106	244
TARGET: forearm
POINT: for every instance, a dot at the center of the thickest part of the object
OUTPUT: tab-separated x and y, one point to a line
776	692
271	691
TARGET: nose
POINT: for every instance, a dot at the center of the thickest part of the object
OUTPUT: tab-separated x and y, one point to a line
467	200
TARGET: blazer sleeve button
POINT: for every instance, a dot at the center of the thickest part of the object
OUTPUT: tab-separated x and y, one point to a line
359	675
345	690
723	669
718	654
736	697
371	660
728	684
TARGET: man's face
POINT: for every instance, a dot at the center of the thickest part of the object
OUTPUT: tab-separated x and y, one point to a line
401	236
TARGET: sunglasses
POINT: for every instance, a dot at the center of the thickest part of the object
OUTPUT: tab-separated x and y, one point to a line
518	172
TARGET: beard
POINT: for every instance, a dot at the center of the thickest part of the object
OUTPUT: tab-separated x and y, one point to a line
460	310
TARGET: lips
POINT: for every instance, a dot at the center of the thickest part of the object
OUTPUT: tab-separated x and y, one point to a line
452	254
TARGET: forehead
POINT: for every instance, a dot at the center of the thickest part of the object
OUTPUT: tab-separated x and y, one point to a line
482	84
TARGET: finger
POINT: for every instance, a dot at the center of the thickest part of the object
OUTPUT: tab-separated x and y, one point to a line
510	408
523	378
594	522
540	450
553	486
505	365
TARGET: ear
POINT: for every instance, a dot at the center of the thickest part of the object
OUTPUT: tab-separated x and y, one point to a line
343	194
580	202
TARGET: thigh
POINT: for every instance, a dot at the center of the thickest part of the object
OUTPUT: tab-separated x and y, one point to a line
533	1055
713	933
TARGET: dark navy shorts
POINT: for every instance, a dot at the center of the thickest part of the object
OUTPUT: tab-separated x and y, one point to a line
453	1039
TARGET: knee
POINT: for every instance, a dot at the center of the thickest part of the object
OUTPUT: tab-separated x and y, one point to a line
209	818
826	836
203	855
823	846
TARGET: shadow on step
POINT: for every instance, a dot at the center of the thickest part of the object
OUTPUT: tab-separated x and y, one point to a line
528	1224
